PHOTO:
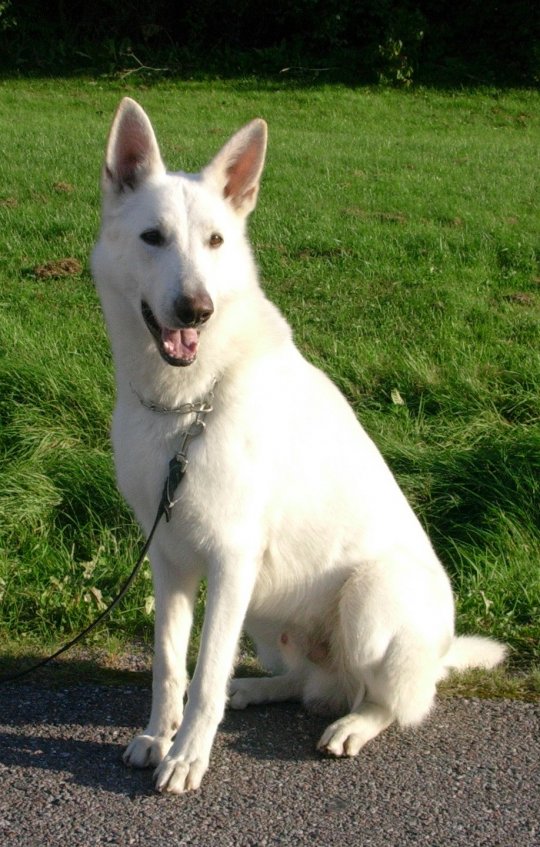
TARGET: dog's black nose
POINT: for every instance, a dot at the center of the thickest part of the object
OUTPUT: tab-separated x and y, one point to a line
192	310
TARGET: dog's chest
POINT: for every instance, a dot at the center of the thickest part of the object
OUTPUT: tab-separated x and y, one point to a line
144	443
210	493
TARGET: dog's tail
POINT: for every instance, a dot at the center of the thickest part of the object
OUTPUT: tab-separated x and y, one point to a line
473	651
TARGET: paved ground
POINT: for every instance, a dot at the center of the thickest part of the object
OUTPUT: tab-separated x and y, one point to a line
469	777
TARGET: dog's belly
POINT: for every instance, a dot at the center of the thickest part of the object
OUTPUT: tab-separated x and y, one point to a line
296	585
288	612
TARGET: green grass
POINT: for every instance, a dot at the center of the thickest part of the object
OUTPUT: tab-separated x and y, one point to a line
398	231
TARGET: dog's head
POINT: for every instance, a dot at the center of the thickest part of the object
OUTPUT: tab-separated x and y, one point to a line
174	244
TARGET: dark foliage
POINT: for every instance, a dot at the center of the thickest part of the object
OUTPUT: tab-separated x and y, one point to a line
388	40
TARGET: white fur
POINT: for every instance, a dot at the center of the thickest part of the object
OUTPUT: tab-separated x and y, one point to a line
287	508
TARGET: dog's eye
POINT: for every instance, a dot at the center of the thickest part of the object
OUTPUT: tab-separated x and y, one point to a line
215	240
153	237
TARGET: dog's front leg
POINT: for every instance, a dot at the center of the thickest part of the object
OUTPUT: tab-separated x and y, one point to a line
175	593
230	585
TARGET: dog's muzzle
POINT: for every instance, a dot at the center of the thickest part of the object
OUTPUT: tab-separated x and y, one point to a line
178	345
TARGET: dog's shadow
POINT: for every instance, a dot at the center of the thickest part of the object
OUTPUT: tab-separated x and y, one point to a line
80	731
275	732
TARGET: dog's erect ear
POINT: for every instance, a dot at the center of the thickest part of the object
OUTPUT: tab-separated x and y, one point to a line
132	150
236	170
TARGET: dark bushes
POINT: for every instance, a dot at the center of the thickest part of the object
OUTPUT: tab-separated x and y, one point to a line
392	40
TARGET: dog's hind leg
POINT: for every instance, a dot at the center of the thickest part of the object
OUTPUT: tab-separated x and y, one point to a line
389	650
400	687
247	691
278	654
174	601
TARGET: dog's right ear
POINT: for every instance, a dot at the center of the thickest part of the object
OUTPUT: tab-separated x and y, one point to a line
132	150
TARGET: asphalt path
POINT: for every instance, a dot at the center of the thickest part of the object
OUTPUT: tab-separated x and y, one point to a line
470	776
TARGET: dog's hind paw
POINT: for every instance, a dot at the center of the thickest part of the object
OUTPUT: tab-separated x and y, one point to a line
240	693
347	736
147	751
340	741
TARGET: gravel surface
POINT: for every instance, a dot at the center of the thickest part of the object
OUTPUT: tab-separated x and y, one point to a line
470	776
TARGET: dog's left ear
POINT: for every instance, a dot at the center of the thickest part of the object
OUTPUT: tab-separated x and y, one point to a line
237	168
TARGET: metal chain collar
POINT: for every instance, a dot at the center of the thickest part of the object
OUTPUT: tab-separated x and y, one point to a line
184	409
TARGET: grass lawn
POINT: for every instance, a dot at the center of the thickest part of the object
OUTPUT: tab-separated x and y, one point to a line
398	231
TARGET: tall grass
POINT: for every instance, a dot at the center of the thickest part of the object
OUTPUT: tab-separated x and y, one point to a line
399	234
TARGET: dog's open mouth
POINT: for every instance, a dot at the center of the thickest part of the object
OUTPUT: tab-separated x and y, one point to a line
177	347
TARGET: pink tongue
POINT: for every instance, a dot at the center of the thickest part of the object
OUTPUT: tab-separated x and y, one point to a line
180	343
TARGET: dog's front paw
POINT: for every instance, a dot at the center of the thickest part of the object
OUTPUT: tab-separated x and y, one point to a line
177	774
147	751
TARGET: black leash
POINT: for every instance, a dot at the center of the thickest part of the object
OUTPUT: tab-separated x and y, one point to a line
177	469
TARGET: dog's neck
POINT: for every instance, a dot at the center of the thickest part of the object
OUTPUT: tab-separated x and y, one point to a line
164	389
194	407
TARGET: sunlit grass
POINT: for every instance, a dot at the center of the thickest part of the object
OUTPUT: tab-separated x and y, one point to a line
399	234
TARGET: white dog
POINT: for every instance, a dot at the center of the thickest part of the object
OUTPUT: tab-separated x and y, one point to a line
287	507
